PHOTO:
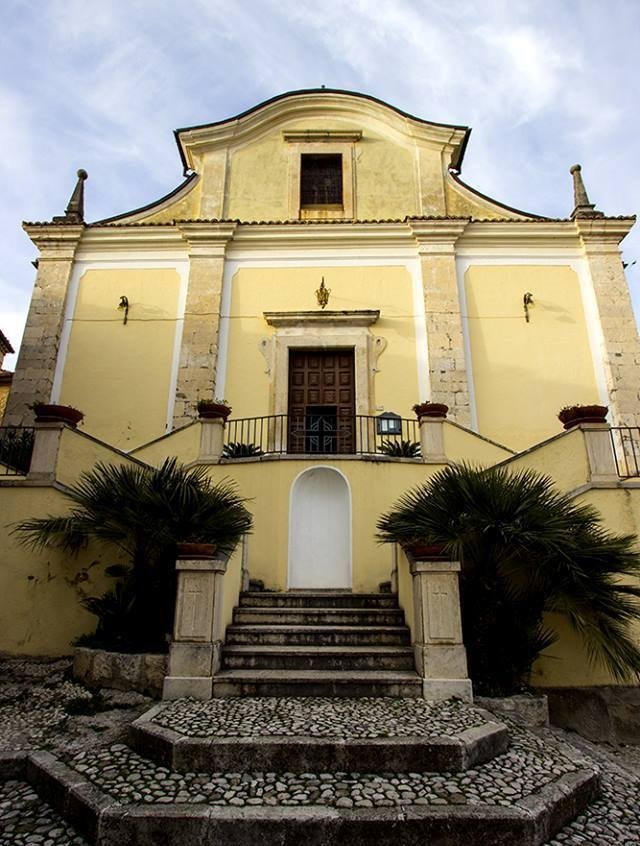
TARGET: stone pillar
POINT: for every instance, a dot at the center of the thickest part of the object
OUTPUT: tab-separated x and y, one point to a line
440	655
600	454
621	347
196	648
211	439
35	369
44	457
445	341
199	351
432	440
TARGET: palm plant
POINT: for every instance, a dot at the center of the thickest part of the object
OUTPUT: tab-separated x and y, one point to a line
525	549
143	512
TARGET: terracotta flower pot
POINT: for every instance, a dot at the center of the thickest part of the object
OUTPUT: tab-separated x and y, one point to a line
211	410
430	409
196	550
573	415
427	551
48	413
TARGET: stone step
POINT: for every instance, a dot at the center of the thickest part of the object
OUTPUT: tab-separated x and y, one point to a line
318	658
325	683
318	635
321	598
319	616
175	736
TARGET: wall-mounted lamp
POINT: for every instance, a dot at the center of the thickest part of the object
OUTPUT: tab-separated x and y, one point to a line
389	423
527	300
124	304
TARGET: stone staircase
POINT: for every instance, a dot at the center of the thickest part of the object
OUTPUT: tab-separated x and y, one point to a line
317	643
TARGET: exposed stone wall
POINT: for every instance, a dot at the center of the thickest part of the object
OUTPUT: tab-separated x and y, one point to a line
621	353
33	378
199	348
445	340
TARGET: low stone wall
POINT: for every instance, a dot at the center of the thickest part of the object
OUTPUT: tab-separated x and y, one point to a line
610	714
143	673
526	709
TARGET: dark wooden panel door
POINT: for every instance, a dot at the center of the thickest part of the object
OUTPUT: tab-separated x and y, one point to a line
321	401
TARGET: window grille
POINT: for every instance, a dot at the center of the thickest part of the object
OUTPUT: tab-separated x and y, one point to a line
320	180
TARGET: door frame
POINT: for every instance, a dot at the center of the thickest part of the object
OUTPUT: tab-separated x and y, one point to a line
350	521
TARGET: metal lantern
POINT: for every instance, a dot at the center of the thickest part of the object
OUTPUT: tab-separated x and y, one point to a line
389	423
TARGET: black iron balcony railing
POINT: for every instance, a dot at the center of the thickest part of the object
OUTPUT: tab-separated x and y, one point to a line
319	434
626	449
16	447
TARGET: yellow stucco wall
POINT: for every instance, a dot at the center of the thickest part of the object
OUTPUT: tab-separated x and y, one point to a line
4	393
524	373
120	375
184	443
374	486
256	290
43	615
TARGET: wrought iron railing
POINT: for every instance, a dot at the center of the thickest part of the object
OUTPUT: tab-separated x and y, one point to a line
626	449
16	447
319	434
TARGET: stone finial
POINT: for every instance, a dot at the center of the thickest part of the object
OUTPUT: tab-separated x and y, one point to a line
74	212
583	208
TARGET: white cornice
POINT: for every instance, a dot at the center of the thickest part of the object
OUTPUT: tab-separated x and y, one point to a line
57	240
520	234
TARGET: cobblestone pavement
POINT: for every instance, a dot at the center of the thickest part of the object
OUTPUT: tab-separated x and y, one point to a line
319	717
41	708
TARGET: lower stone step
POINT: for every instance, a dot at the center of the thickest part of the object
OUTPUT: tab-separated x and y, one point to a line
318	658
316	683
319	635
317	598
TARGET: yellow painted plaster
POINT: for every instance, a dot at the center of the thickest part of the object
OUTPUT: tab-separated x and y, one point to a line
4	395
119	375
183	443
232	585
405	590
44	615
463	445
375	486
459	204
255	290
524	373
564	458
186	207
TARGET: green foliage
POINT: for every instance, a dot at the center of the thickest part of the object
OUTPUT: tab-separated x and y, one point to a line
238	450
144	512
525	549
400	449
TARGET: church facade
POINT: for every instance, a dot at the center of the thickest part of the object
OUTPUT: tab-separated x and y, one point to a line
322	269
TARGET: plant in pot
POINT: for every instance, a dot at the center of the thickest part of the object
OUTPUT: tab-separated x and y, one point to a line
215	408
46	412
141	513
573	415
525	550
430	409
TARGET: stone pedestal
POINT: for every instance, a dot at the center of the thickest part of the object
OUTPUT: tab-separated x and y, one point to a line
432	440
602	462
211	439
197	636
440	655
45	451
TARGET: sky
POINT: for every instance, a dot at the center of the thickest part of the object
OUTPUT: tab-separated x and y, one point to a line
101	84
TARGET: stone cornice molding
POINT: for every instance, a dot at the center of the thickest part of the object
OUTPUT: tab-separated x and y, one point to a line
520	234
55	241
131	237
602	234
208	239
361	317
313	136
436	237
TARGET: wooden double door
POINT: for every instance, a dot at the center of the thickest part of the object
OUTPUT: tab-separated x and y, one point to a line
321	401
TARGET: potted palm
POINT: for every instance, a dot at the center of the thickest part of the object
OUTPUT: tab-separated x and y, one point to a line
574	415
53	413
212	409
430	409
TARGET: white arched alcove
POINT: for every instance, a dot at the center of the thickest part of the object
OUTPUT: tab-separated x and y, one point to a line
320	530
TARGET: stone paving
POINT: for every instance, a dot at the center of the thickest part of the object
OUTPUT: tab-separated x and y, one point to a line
41	707
317	716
